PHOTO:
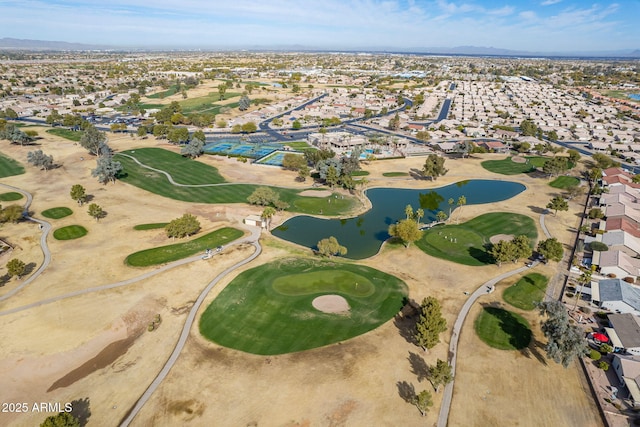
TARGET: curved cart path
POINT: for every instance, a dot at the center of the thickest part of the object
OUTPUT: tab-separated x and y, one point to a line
46	228
486	287
186	330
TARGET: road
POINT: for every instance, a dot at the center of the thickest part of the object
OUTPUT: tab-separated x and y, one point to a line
485	288
186	330
46	228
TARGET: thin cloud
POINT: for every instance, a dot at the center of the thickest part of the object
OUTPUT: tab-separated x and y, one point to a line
549	2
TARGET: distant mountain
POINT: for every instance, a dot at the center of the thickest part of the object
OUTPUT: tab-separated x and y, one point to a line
25	44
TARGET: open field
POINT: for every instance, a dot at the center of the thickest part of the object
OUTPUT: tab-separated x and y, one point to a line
10	196
526	292
70	232
509	167
564	182
57	213
66	133
164	254
9	167
277	297
468	242
502	329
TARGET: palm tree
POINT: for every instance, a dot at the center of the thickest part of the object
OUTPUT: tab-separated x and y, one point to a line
419	214
451	203
583	280
267	214
408	210
462	200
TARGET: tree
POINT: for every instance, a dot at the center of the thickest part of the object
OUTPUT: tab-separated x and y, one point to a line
178	135
434	167
555	166
184	226
550	249
440	374
296	125
106	169
303	173
408	211
423	401
595	213
462	200
332	176
558	203
63	419
92	140
394	123
10	113
267	214
263	196
38	158
430	324
522	246
406	230
528	128
193	149
293	162
565	340
222	89
244	103
249	127
95	211
11	213
330	246
602	161
423	135
451	202
78	193
441	216
574	155
503	251
16	267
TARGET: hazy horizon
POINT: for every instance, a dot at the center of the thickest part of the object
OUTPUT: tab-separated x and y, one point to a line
537	26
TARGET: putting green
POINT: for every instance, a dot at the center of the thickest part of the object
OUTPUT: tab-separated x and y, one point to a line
335	281
268	309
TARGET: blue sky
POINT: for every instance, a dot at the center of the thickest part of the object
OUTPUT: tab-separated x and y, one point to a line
537	25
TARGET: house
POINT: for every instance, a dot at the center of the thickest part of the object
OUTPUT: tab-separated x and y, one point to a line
619	240
616	295
628	371
624	333
616	263
255	221
494	146
623	223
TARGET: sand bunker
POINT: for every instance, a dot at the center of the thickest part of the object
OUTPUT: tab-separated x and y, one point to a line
518	159
496	238
331	304
315	193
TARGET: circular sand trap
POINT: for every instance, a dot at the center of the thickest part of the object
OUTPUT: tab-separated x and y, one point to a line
496	238
315	193
331	304
518	159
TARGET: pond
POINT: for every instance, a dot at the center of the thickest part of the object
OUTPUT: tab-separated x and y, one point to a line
364	234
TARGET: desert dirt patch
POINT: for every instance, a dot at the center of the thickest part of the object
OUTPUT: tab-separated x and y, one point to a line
498	237
316	193
334	304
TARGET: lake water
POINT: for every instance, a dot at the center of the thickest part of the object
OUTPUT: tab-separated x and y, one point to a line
363	235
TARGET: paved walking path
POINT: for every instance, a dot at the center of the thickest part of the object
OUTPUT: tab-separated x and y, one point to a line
184	335
486	287
46	228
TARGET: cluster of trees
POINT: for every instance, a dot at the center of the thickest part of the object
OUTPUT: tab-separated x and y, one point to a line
95	142
195	147
39	159
12	213
249	127
16	267
184	226
555	166
296	162
62	419
408	230
266	196
14	134
565	340
513	250
330	247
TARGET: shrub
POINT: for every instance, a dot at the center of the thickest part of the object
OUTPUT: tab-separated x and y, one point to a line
629	279
611	276
605	348
595	355
570	294
598	246
585	310
603	365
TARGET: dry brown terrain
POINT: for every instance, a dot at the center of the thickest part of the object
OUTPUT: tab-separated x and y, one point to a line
96	346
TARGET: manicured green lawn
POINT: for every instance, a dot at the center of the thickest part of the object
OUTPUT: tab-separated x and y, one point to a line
395	174
57	213
467	243
527	292
182	169
66	133
188	171
268	310
164	254
206	103
70	232
9	167
151	226
503	329
159	95
508	167
360	173
298	145
10	197
564	182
